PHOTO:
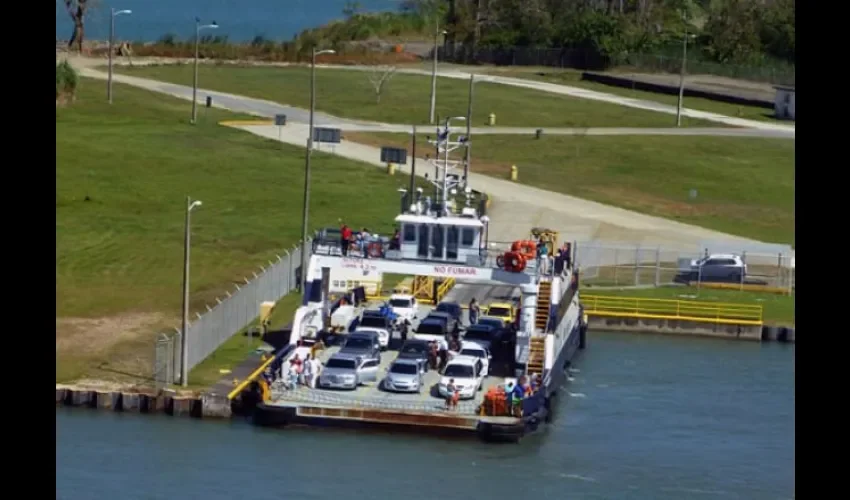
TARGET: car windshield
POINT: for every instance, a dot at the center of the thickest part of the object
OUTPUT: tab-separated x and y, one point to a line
446	308
499	311
344	363
491	321
403	368
414	348
358	343
477	335
430	329
402	303
478	353
375	321
458	371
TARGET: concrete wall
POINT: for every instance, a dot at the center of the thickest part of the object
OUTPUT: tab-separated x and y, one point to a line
675	327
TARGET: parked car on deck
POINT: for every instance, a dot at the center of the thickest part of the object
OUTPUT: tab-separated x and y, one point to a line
404	375
347	372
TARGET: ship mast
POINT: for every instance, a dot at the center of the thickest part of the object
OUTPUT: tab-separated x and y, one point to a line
446	180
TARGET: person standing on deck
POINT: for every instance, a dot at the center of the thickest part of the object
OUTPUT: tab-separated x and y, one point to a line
344	238
474	311
307	376
365	238
542	259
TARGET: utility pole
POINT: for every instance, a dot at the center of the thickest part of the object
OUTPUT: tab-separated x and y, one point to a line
184	344
682	79
468	131
112	14
437	34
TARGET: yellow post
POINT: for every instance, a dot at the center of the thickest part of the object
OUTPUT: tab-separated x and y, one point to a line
391	168
514	173
491	120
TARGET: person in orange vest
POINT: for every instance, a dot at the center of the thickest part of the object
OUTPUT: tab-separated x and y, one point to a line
345	238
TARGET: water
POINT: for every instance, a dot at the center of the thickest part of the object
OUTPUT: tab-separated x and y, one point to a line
239	20
645	418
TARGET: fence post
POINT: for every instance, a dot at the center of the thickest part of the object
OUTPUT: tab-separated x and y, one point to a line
658	266
744	260
779	266
637	265
177	357
616	265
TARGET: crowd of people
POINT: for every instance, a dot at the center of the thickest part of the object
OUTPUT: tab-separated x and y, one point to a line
365	242
553	264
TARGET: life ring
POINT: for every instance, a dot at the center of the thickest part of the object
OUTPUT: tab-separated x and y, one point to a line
527	248
514	262
500	261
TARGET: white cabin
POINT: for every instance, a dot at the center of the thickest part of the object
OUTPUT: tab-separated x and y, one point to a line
455	239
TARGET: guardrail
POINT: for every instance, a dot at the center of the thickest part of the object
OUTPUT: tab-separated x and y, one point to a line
443	289
688	310
260	369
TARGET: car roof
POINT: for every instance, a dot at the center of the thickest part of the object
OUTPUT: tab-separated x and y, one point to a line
366	332
463	360
414	342
723	256
432	321
480	326
466	344
401	296
448	303
494	318
367	329
345	355
372	312
500	304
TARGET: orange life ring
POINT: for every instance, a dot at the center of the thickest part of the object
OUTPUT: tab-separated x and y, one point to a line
514	262
527	248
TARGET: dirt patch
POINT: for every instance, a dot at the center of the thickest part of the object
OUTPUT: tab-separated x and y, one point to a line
114	348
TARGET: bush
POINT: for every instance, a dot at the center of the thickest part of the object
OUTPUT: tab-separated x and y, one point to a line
66	81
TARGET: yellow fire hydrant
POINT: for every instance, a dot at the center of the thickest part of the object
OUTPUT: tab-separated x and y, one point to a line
391	168
514	173
491	119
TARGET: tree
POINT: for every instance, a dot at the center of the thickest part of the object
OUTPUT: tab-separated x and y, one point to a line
78	9
379	75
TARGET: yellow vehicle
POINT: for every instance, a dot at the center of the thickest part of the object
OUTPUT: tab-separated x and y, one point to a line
500	310
548	236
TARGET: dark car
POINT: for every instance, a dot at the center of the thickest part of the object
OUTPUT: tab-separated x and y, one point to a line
500	342
416	350
452	308
375	321
364	344
431	329
492	322
452	324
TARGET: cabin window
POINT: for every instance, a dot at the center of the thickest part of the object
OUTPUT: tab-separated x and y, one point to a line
451	242
437	236
409	233
468	237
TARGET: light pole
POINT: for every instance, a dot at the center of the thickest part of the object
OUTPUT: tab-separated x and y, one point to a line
468	131
682	77
437	34
198	28
306	210
113	13
184	351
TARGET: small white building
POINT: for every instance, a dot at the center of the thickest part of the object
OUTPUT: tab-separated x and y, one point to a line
784	104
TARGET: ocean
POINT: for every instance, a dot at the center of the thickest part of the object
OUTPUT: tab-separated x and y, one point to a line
239	20
645	417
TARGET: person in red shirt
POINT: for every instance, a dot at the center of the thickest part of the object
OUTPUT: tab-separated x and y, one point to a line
345	238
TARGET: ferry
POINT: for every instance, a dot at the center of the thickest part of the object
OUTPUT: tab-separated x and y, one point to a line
442	241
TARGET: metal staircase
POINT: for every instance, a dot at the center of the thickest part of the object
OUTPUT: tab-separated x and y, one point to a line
536	355
544	300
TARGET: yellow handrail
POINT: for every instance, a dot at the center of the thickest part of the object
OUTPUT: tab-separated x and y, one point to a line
713	312
444	288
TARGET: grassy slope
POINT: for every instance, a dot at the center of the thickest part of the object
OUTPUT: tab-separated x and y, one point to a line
744	186
778	309
349	94
119	255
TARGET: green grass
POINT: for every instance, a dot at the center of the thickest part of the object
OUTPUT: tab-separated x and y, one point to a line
238	347
778	309
122	175
406	98
745	186
573	79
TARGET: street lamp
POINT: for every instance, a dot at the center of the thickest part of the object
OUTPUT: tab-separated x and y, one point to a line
114	13
198	28
307	164
437	34
682	77
184	351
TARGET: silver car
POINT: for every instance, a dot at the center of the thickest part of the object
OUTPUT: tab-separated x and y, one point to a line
348	372
404	375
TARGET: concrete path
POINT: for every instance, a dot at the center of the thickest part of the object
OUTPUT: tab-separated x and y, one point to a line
264	108
518	207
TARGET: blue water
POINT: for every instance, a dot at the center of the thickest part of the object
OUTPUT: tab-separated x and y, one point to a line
240	20
645	418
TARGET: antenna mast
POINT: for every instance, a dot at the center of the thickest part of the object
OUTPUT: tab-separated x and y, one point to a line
448	141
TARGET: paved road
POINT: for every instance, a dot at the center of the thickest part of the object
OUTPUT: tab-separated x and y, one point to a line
264	108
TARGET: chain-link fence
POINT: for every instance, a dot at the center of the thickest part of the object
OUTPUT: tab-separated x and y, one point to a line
615	265
229	315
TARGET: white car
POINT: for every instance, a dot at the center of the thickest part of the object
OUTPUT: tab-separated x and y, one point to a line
383	335
475	350
466	372
405	306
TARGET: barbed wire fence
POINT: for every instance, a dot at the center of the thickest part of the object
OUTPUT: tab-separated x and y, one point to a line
208	331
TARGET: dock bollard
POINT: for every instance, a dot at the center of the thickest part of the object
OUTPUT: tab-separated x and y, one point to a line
391	168
514	173
491	120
